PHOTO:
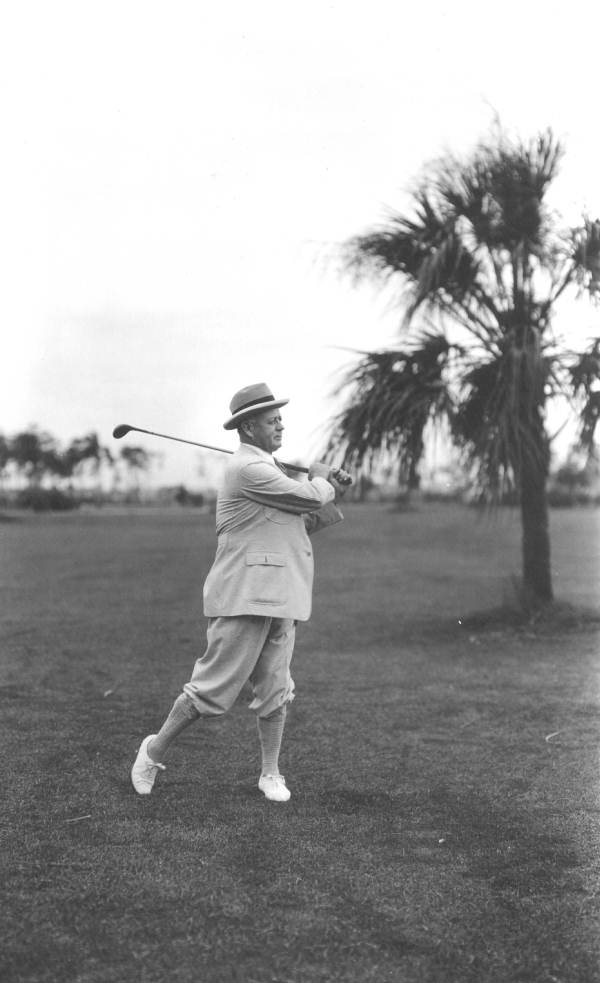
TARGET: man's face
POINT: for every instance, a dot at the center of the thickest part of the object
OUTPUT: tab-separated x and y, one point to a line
267	430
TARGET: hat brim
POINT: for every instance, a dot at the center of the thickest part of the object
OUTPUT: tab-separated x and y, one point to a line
268	404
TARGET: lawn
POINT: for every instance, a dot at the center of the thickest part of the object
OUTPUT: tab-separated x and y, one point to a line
444	820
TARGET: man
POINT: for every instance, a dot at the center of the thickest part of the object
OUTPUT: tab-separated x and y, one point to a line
259	586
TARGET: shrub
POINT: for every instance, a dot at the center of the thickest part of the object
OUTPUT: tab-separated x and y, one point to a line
184	497
45	500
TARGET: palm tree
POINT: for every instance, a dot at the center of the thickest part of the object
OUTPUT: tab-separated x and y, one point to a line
138	460
482	262
88	452
35	454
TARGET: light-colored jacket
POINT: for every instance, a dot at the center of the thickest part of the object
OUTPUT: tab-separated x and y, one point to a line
264	560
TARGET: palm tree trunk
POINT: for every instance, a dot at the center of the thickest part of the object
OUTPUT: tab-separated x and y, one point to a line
537	575
414	478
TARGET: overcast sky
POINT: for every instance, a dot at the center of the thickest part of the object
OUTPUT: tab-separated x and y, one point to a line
174	173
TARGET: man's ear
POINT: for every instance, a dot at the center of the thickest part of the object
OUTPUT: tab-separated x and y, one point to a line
247	427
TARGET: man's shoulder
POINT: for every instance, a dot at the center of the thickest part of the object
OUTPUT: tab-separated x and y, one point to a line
249	457
247	468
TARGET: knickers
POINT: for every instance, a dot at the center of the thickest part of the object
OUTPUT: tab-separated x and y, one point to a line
241	649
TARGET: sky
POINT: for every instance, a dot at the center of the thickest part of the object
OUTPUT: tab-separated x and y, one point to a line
177	178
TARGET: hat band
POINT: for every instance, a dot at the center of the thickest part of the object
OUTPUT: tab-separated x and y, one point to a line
254	402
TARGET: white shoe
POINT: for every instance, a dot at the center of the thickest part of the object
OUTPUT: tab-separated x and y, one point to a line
274	788
144	769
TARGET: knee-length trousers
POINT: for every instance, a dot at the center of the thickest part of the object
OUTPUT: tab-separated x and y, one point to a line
241	649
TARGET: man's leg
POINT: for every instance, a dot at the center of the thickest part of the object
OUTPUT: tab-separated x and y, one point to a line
270	735
273	689
148	761
183	713
234	646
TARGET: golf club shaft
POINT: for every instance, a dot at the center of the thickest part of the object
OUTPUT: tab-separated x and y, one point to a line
208	447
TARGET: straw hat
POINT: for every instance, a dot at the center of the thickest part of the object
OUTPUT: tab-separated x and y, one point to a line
251	399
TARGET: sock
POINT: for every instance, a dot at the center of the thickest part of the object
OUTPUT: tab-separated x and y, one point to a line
270	733
183	713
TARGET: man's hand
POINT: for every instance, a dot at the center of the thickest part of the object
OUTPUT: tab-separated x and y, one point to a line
335	476
342	477
340	484
319	470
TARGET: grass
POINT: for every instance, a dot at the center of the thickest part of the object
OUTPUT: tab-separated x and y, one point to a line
444	766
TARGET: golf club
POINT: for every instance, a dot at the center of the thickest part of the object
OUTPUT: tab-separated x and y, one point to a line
124	429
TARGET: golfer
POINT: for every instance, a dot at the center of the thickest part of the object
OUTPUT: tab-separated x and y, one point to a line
259	586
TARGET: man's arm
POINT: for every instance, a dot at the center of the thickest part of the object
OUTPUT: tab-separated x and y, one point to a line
330	514
266	484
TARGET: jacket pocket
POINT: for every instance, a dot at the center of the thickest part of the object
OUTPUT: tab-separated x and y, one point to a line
279	516
266	577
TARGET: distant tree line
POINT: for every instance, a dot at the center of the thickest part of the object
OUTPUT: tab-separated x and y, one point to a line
35	458
36	472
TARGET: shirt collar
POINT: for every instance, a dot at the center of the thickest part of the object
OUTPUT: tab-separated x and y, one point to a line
257	452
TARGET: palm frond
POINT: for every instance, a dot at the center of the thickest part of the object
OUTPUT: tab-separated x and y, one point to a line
391	396
426	253
498	421
401	246
586	256
500	190
472	222
584	380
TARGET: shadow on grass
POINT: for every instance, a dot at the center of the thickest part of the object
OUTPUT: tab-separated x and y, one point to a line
555	618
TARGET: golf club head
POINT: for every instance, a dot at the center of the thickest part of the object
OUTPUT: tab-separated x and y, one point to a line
121	430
